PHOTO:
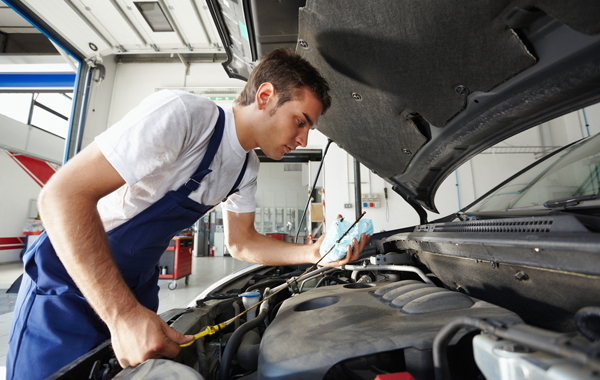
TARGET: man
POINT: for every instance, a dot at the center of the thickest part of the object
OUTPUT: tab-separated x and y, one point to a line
111	211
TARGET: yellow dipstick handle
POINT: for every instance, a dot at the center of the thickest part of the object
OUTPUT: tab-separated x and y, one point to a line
207	331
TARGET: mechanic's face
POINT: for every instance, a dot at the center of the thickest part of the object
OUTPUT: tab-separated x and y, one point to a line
289	124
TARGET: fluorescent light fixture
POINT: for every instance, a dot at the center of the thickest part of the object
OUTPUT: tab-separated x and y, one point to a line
154	16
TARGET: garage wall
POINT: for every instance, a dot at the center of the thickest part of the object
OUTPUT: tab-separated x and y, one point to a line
136	81
127	84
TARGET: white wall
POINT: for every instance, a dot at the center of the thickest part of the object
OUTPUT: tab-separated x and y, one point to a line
136	81
17	189
127	84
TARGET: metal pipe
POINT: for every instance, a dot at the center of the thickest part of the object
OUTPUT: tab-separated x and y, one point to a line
128	21
89	23
398	268
186	64
80	130
587	126
172	21
457	188
30	116
357	190
306	277
312	189
197	11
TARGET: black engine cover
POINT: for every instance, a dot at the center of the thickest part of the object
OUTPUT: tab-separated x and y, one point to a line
315	330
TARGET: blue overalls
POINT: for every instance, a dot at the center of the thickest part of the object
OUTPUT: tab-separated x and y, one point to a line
53	324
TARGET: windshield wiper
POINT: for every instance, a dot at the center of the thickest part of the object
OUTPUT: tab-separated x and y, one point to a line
570	201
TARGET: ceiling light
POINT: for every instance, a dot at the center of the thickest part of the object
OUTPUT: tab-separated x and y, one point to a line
154	16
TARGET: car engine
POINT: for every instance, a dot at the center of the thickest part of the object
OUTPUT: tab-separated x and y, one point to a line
381	318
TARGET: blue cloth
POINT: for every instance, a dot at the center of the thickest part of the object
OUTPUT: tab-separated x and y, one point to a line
53	324
364	226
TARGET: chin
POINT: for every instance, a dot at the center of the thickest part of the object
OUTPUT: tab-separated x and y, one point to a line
274	155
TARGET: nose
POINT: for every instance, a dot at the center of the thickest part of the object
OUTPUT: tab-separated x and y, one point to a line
302	138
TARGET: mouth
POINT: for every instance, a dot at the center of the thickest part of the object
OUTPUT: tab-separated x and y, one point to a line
288	149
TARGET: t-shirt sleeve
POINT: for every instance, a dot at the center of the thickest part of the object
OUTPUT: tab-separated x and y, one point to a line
149	138
243	201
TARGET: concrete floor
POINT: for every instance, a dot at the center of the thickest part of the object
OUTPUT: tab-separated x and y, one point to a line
205	271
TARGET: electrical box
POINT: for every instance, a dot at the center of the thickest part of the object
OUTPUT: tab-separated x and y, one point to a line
371	200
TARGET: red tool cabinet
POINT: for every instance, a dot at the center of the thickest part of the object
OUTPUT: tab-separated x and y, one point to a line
177	260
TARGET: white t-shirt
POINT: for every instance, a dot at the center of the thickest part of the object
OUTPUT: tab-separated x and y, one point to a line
159	145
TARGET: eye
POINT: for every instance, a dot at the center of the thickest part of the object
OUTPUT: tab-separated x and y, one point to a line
301	123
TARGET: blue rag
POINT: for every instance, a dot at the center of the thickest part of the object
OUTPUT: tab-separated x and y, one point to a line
336	231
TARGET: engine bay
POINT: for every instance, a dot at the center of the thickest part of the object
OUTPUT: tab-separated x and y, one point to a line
364	321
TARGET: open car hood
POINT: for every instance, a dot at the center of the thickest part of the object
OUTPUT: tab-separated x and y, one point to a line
421	86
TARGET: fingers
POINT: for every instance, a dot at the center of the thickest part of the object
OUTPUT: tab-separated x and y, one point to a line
147	337
169	349
176	336
357	247
352	253
123	362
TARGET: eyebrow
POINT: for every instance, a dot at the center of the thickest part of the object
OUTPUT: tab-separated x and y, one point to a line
308	119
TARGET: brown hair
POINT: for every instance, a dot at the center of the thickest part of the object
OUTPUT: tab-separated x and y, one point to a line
288	72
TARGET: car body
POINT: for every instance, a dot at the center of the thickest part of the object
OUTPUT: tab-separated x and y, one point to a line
420	87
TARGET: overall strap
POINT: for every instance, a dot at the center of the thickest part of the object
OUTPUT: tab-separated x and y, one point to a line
234	189
193	183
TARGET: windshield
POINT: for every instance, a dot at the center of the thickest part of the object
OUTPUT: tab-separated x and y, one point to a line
573	172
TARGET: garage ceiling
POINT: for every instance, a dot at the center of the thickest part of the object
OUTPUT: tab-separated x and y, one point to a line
99	28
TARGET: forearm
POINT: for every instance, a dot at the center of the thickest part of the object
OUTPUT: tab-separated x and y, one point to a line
261	249
78	237
246	244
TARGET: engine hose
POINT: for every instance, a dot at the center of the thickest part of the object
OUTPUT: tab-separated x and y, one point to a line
247	354
588	322
266	283
234	343
329	278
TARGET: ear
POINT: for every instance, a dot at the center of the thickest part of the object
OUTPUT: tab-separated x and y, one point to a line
265	92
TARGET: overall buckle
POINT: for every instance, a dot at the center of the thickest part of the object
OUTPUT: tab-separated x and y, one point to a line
192	186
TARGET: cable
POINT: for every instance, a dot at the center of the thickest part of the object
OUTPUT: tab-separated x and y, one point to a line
329	141
330	278
387	206
587	321
263	284
234	343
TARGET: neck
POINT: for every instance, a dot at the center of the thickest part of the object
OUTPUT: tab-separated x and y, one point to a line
244	123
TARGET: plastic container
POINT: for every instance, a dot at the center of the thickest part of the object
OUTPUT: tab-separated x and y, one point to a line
250	299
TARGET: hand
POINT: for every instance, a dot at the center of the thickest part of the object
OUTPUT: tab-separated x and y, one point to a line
141	335
353	250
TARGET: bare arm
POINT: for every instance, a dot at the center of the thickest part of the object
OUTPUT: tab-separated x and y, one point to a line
246	244
68	205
